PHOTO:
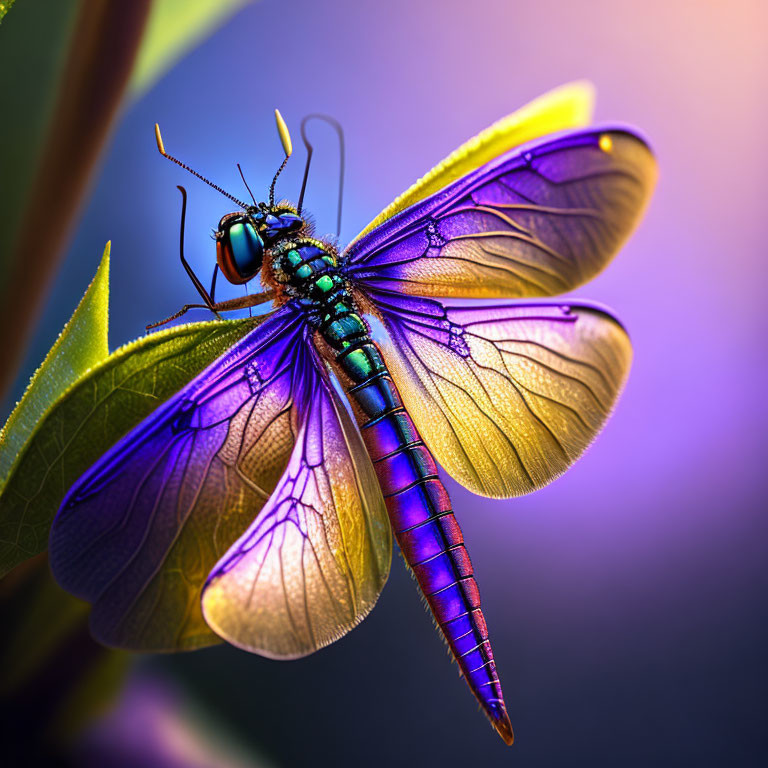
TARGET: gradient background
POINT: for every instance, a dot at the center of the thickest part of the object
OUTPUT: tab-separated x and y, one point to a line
626	602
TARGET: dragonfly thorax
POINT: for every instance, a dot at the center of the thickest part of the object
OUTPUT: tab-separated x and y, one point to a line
307	269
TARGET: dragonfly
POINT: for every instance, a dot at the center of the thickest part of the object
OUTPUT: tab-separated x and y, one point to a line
259	504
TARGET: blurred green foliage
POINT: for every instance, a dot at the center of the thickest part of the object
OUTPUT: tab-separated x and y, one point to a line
29	76
55	679
66	67
174	27
45	617
5	6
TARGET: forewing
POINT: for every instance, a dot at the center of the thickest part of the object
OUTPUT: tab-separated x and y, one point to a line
138	534
313	563
507	397
537	221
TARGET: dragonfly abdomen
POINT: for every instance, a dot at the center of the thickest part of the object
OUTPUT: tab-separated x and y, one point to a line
418	505
423	523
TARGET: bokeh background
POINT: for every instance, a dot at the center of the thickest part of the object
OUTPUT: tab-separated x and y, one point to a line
626	601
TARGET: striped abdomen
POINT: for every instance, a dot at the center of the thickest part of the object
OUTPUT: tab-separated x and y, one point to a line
422	519
417	502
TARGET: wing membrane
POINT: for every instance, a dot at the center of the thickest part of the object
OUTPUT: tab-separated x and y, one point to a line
312	565
507	397
538	221
138	534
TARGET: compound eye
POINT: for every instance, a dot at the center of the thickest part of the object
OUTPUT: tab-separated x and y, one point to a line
239	250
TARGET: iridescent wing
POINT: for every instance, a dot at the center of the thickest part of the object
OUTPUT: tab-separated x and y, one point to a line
537	221
139	533
507	397
312	564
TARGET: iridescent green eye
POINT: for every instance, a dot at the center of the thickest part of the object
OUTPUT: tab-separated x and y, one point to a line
247	248
240	249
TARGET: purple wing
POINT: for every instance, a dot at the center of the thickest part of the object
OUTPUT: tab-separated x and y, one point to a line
537	221
138	534
507	397
312	564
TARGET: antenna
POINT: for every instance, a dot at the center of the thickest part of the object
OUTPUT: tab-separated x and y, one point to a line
336	125
246	184
161	149
285	140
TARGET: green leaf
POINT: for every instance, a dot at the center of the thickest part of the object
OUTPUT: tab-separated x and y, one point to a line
174	27
91	416
81	345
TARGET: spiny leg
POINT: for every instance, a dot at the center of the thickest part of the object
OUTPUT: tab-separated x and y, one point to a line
222	306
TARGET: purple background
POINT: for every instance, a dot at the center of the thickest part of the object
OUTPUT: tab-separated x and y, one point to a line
626	602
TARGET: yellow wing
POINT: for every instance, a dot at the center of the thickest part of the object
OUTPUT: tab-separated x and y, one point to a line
506	397
569	106
537	221
314	561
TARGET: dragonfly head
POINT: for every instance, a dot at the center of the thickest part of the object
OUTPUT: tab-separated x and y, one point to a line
243	237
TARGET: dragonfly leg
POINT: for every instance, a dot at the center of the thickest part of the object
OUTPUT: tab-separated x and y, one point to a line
187	267
222	306
244	302
213	282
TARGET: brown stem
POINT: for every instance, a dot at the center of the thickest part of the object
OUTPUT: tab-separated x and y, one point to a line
95	75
